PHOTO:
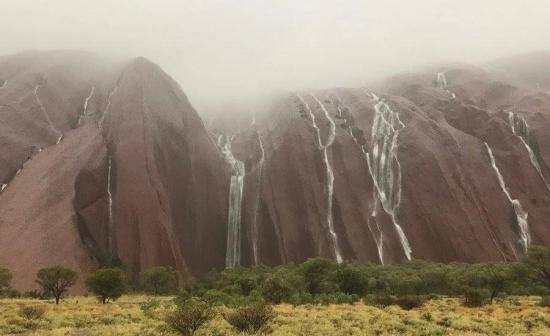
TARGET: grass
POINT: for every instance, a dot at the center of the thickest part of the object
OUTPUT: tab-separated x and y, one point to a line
82	316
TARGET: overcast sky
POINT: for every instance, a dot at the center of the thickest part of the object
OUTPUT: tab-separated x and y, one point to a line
238	49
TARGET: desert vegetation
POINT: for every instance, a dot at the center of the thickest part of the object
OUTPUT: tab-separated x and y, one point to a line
316	297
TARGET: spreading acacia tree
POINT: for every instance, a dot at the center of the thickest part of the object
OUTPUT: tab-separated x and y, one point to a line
56	280
108	284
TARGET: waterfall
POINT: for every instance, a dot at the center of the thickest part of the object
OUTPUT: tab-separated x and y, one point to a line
328	169
255	254
521	215
46	115
110	199
85	106
442	83
520	128
233	249
102	119
385	169
375	231
340	106
441	80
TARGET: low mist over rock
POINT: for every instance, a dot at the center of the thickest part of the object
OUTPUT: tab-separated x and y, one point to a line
107	162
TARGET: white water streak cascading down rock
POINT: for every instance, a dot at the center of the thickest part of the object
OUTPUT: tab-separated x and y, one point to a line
375	230
521	215
385	168
520	128
255	254
328	169
233	248
102	119
85	106
442	83
47	116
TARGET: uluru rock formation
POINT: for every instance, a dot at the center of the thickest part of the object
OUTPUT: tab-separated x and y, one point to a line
105	162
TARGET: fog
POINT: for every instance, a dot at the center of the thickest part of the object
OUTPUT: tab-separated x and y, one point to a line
239	50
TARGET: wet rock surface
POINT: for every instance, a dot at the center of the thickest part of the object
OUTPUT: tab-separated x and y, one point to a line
103	162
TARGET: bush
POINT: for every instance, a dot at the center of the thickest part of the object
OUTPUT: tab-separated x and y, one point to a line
351	280
379	300
107	284
475	297
182	297
31	313
218	298
10	293
33	294
276	289
251	319
409	302
148	307
545	301
190	317
5	279
159	281
335	298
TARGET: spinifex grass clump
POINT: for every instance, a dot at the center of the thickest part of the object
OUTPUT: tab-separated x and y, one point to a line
251	319
189	316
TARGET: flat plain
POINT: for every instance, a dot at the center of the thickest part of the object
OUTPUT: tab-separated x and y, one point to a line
84	316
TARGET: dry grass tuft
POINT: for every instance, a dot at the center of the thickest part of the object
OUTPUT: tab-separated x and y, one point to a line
136	315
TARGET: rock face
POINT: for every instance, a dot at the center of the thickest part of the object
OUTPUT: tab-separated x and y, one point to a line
104	163
450	164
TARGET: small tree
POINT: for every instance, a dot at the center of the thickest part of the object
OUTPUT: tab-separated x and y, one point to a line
5	279
159	280
318	273
108	284
190	316
351	280
56	280
536	266
276	288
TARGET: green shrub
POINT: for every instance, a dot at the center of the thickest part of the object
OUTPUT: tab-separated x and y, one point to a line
409	302
108	284
33	294
335	298
31	313
276	289
379	300
190	317
182	297
218	298
545	301
10	293
5	279
351	280
475	297
159	281
251	319
148	307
